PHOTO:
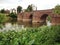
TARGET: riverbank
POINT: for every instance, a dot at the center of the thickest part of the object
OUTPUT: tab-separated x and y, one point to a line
44	35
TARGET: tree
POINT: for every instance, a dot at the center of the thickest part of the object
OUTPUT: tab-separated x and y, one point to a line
2	11
13	15
19	9
57	9
29	8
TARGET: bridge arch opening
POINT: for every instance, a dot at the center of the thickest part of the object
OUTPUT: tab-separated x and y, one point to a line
44	18
31	17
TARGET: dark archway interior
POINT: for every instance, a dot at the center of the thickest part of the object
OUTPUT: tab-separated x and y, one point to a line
30	17
43	18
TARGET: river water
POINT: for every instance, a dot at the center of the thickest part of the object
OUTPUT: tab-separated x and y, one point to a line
21	25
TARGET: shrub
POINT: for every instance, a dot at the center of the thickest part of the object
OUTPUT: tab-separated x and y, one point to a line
32	36
3	18
13	15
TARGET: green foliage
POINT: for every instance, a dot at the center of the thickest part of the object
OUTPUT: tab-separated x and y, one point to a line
32	36
29	8
13	15
19	9
3	18
2	11
49	18
1	26
57	9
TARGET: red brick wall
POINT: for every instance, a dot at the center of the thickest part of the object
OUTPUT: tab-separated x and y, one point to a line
20	17
26	16
55	19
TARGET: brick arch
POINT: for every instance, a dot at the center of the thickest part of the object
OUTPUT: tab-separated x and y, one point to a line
39	16
43	18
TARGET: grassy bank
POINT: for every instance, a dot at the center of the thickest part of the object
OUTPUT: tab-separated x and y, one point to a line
32	36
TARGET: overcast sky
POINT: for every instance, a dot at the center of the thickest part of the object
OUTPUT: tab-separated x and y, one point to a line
40	4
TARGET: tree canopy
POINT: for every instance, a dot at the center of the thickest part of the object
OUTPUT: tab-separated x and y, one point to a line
2	11
29	8
57	9
13	15
19	9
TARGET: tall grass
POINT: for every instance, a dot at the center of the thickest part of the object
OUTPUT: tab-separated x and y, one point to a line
32	36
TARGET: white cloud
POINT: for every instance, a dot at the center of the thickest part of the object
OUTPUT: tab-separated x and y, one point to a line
41	4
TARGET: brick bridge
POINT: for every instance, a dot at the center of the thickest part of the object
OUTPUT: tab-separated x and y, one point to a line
39	16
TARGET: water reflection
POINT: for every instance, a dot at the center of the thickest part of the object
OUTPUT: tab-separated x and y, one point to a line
10	26
14	25
19	25
29	24
26	24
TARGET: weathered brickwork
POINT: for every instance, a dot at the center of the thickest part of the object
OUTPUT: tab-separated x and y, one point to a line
55	19
39	16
